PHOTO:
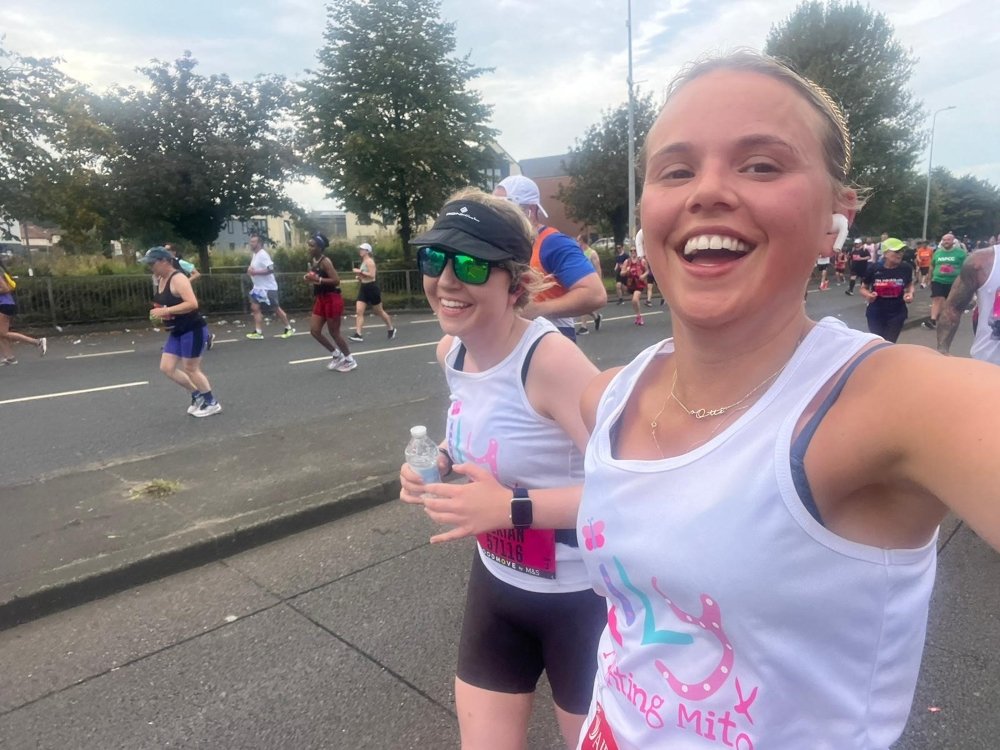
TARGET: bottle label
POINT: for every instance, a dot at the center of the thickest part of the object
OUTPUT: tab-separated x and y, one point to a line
529	551
429	474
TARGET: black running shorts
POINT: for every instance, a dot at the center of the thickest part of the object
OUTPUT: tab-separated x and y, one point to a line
510	635
370	294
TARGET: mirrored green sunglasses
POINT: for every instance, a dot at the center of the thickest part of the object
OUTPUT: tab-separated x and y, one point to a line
467	269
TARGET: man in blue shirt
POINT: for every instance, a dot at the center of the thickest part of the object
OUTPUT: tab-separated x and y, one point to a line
578	289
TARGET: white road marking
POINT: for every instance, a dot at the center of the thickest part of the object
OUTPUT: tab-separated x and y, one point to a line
361	354
101	354
73	393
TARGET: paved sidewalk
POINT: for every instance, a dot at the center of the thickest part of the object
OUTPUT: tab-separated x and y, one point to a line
86	534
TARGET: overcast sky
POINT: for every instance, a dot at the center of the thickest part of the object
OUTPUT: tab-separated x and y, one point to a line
558	64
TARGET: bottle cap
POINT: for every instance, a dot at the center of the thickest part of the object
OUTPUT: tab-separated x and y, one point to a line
418	431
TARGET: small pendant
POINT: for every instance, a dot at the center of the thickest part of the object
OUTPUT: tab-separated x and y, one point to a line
652	425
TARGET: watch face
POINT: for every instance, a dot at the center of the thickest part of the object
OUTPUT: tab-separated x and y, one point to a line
520	512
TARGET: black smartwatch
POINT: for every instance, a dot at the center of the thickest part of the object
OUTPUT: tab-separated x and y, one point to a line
520	509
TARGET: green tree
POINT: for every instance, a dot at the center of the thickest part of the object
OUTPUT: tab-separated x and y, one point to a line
388	122
32	92
851	51
190	152
598	168
964	205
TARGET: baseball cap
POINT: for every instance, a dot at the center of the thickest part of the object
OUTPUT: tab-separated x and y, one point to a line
477	230
522	191
365	246
893	245
858	241
156	253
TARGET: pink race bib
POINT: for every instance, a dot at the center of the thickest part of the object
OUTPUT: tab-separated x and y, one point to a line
599	735
531	551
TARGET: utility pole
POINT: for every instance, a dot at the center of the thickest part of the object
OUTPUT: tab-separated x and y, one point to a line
930	161
631	134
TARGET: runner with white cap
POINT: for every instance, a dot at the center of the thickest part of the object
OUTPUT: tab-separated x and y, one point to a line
369	293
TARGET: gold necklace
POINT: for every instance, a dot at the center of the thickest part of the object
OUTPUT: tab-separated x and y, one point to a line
653	425
704	413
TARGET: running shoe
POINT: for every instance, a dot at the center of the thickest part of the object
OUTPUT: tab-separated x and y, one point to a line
8	361
582	331
621	301
391	334
211	341
346	364
196	402
356	337
639	321
289	332
930	325
335	361
597	321
848	292
648	303
663	301
207	410
255	335
43	346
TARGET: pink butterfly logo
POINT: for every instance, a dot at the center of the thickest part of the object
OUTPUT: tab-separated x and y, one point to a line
593	537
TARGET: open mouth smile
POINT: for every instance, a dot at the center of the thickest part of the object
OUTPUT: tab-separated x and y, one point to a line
715	248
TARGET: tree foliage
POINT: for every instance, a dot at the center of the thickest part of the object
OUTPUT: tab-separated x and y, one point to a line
598	168
190	152
966	206
33	94
851	51
388	122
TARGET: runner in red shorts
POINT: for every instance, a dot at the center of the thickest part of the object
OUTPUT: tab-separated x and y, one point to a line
328	306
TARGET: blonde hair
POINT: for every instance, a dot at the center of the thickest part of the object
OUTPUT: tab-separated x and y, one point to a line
525	281
835	138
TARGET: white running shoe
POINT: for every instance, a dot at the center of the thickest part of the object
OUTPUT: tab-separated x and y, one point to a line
196	403
43	345
335	360
207	410
346	364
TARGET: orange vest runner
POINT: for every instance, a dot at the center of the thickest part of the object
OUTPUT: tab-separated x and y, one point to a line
557	289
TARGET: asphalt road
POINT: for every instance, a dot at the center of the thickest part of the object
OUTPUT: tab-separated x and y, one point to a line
99	397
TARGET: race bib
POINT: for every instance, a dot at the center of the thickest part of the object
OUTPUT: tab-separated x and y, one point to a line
599	735
530	551
947	268
888	288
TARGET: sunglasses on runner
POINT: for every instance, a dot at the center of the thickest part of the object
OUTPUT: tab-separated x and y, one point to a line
468	270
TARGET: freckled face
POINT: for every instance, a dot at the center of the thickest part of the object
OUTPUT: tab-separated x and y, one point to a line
737	200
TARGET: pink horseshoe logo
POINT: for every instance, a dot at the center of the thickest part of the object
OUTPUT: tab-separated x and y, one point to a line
711	622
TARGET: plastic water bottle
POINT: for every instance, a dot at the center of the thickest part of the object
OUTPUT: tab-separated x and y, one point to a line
422	454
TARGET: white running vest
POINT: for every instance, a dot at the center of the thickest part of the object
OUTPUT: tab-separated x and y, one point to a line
736	620
492	423
985	345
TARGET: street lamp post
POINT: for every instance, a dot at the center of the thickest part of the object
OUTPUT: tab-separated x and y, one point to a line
930	162
631	134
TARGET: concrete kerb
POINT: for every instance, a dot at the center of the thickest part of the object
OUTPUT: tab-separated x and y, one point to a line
117	572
